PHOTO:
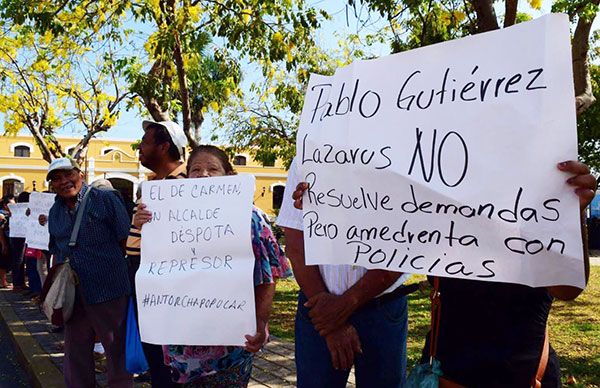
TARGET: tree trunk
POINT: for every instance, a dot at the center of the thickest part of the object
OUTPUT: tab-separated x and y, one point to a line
510	12
486	16
584	96
184	93
35	126
151	102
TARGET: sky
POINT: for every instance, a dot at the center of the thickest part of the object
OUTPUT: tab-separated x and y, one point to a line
129	123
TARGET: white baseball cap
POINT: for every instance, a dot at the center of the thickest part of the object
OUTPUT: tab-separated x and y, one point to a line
62	164
174	130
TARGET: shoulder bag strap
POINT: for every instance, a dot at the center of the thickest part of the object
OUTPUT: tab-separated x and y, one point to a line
539	375
79	218
436	306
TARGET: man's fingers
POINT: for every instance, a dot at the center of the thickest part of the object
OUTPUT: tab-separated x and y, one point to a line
302	187
584	181
325	331
313	300
335	361
585	197
348	357
574	167
356	344
298	204
298	193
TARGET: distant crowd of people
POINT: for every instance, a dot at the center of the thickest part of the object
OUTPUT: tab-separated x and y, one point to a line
485	334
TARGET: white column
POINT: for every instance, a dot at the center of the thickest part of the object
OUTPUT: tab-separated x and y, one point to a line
91	170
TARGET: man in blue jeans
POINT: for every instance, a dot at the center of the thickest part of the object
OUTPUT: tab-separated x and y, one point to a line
346	315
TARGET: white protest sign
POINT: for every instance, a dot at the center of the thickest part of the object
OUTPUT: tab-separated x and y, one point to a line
195	282
37	235
18	220
443	160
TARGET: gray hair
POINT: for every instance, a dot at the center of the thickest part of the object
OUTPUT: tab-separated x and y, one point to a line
102	184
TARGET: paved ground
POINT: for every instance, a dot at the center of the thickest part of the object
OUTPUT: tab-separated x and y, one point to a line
12	373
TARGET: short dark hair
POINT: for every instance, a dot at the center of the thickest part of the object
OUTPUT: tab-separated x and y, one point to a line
23	197
214	151
161	135
6	199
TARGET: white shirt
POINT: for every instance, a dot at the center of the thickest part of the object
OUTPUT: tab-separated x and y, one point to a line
337	278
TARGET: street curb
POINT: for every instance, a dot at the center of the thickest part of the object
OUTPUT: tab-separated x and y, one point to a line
40	368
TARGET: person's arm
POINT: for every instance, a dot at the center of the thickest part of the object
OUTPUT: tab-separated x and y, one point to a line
3	242
329	312
585	187
343	344
117	213
308	276
141	216
263	298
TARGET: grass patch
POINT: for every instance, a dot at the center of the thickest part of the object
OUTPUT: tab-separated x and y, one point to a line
575	334
281	323
574	327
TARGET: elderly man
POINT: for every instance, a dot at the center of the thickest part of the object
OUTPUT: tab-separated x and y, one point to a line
346	315
161	150
98	261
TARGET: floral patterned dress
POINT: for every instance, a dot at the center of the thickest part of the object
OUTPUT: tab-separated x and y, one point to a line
230	366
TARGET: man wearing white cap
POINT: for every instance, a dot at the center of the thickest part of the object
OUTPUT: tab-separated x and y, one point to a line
161	150
98	260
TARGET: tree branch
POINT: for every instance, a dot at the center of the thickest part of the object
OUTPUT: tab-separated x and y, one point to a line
33	127
584	96
486	16
510	12
183	86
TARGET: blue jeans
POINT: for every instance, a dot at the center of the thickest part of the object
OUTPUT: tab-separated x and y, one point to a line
35	283
17	248
382	329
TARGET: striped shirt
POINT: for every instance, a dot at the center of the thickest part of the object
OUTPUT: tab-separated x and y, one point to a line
134	240
337	278
98	258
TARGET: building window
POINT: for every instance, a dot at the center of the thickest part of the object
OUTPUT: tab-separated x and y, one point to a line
12	186
69	150
278	196
22	151
268	161
239	160
107	150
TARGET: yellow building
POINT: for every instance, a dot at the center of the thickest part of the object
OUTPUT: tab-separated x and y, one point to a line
22	168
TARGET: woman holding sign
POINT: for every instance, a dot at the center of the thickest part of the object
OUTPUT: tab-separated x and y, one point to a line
228	366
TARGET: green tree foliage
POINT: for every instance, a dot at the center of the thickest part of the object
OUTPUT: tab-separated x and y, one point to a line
588	127
52	80
416	23
267	124
191	60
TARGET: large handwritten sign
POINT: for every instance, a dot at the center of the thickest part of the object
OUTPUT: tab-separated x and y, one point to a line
195	282
442	160
37	235
19	222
